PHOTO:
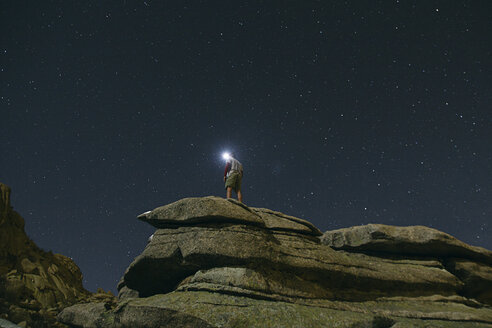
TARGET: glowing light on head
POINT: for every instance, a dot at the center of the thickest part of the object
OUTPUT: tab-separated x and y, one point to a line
226	156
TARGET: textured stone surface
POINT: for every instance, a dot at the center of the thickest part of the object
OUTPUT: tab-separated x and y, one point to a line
411	241
88	315
206	210
262	283
207	309
125	293
34	284
278	221
175	254
477	278
210	264
211	209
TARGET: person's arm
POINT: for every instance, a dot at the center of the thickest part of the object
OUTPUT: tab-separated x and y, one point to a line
227	168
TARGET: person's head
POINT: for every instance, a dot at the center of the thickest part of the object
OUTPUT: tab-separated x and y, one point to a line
227	156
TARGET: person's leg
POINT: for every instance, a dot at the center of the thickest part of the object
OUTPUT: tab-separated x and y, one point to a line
237	188
229	192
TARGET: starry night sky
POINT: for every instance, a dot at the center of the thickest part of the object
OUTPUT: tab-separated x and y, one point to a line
342	113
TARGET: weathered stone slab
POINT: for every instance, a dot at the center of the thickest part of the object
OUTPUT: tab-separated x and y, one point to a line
279	221
410	241
202	210
174	254
259	282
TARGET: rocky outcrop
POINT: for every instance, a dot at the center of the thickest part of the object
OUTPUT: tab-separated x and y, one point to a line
416	241
472	265
218	263
34	285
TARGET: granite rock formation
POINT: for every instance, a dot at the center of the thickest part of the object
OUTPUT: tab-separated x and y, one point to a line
218	263
34	285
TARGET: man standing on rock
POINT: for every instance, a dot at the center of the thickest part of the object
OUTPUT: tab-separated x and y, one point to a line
233	174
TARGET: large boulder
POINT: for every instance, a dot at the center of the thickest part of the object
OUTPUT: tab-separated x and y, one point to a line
218	263
470	264
175	254
213	210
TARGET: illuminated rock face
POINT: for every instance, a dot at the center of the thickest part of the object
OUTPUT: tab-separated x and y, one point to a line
34	285
218	263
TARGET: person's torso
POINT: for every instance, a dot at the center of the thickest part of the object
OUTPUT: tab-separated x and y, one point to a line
236	165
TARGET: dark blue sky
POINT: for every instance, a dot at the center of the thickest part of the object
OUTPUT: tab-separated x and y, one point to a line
342	113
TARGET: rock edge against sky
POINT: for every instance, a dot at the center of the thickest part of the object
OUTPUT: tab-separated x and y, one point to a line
218	263
35	285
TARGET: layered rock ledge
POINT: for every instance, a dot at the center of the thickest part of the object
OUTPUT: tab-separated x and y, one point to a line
218	263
